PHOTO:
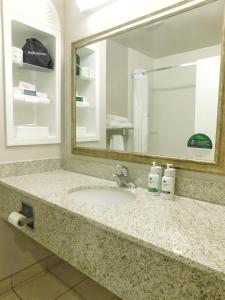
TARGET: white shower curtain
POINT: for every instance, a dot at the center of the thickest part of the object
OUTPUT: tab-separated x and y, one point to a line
140	111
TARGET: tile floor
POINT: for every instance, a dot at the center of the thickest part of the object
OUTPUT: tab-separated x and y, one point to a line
62	282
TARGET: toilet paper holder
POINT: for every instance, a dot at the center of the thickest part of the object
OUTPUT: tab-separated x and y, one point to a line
28	220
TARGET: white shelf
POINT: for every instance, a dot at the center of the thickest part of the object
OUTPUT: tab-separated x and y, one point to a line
25	131
30	67
84	104
23	99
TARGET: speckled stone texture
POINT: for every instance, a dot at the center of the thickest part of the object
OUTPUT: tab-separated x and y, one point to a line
27	167
204	190
147	249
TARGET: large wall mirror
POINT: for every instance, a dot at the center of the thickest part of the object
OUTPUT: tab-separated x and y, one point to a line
153	89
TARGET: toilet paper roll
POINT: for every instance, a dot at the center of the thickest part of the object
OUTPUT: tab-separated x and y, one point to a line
15	217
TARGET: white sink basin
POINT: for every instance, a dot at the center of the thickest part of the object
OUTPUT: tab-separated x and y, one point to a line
102	196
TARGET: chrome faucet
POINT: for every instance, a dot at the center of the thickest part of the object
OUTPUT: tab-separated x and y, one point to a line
122	178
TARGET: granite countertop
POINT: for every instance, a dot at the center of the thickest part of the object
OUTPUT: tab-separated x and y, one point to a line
188	230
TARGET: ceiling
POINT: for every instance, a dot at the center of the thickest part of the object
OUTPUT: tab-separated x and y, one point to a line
198	28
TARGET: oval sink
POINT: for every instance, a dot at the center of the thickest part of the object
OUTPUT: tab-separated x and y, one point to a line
102	196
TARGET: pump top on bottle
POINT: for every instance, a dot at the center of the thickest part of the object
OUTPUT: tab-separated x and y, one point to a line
154	179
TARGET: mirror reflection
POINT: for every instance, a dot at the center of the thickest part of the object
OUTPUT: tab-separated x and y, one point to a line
153	90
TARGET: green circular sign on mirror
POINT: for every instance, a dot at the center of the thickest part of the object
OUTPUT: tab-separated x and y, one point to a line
200	140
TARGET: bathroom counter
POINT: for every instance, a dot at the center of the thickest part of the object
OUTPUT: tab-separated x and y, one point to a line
185	235
185	229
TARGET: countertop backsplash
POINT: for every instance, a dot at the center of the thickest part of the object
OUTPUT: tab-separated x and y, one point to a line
29	167
187	185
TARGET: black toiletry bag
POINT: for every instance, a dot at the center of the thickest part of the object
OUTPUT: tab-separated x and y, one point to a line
77	64
35	53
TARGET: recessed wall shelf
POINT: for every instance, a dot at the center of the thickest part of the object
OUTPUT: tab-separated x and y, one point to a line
24	131
89	88
21	98
23	20
30	67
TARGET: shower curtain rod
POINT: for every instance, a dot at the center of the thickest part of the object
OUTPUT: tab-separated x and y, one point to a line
164	68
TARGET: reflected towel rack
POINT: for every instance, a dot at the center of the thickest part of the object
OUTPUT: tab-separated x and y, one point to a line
164	68
123	129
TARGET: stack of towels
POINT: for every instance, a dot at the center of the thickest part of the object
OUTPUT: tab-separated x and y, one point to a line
17	56
85	72
26	92
115	121
116	142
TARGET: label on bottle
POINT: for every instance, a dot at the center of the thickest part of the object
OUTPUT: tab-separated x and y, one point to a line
153	190
154	184
168	185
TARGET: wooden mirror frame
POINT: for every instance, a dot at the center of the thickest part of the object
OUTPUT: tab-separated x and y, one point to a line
216	166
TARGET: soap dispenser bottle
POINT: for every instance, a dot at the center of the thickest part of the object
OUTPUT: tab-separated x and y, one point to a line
155	179
168	183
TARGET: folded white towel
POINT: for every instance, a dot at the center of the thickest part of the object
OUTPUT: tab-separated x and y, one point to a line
115	121
116	124
116	143
117	118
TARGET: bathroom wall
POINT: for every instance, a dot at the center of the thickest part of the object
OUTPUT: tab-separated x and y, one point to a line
8	154
116	79
18	251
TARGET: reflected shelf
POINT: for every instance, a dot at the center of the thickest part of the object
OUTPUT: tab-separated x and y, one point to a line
84	104
88	78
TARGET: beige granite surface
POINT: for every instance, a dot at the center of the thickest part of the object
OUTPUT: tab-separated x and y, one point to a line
187	230
29	166
187	185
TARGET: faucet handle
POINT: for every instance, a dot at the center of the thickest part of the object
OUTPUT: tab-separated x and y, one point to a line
122	170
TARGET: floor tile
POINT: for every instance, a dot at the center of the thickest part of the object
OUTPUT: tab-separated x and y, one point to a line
25	275
11	296
68	274
52	260
91	290
5	286
45	287
70	295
